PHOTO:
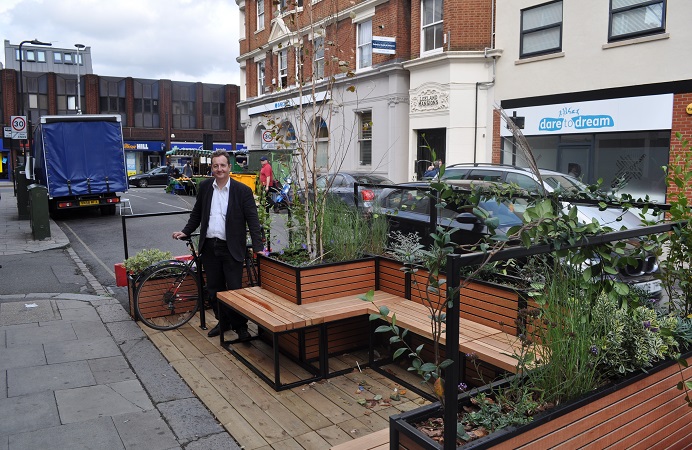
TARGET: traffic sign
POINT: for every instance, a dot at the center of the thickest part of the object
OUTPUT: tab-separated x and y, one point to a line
267	136
18	124
8	132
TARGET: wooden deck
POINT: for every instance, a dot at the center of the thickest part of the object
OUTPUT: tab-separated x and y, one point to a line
315	416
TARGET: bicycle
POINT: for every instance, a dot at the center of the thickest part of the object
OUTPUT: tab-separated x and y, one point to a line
169	293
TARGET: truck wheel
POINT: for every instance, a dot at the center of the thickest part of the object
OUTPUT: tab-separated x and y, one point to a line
143	183
107	210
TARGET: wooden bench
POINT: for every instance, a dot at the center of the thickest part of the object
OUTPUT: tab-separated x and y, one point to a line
279	316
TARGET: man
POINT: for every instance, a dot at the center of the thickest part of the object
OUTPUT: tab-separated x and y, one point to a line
433	170
222	211
267	180
187	170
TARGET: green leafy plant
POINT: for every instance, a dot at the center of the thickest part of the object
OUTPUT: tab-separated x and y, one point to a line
145	258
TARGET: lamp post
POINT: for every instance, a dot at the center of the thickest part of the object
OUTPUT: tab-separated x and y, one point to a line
21	77
79	88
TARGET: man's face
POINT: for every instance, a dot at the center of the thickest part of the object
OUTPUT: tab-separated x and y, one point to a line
220	168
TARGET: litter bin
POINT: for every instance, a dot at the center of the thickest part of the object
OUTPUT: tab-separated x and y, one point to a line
22	193
38	211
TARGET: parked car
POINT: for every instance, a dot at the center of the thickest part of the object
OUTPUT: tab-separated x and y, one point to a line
341	187
408	207
553	181
155	177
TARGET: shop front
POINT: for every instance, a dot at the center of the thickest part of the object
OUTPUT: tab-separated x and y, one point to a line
623	141
141	156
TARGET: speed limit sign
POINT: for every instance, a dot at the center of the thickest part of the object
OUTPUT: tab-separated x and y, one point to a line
18	125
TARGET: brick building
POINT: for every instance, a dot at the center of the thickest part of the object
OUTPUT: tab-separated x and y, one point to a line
157	115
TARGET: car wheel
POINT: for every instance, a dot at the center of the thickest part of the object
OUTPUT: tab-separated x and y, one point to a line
143	183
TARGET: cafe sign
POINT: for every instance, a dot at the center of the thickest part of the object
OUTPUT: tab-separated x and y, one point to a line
429	100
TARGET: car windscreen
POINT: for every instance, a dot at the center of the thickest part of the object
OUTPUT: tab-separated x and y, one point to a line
564	183
371	179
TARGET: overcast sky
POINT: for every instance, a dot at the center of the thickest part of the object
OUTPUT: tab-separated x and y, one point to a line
180	40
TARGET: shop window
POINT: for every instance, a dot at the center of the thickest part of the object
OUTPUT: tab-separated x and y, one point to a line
541	29
431	25
633	18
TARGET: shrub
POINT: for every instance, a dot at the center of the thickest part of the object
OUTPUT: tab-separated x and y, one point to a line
145	258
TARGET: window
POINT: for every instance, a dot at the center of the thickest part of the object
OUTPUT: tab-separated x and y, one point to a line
298	50
30	56
183	103
66	94
261	88
146	104
260	14
112	97
57	57
364	45
67	58
283	68
321	136
365	138
541	30
214	107
632	18
431	28
40	56
286	5
318	55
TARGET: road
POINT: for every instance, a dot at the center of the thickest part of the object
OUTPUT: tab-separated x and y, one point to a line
99	240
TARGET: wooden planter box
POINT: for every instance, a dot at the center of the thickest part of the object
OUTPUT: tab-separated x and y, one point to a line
492	304
645	409
303	285
314	283
390	277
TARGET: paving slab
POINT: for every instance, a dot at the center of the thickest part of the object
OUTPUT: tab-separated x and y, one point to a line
58	352
28	311
135	430
111	370
189	419
22	356
98	434
28	413
80	315
113	312
215	441
90	330
56	331
50	377
88	403
125	331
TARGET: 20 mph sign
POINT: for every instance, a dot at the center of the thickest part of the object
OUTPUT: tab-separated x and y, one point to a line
18	125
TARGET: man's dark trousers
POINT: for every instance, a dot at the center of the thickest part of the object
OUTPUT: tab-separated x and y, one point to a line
222	273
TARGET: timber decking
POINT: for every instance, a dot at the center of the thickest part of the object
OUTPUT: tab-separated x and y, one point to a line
312	417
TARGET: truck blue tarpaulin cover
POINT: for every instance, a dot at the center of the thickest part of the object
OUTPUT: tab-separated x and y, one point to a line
80	155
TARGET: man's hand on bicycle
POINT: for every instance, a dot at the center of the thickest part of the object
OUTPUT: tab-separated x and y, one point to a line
179	235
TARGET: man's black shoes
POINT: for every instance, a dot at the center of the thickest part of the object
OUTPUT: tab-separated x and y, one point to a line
243	334
214	331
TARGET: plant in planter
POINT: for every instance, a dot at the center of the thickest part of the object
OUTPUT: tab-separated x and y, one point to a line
143	259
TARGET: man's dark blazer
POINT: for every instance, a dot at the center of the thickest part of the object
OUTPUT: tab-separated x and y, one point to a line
241	213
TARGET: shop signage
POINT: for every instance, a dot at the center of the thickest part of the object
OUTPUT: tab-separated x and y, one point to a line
198	146
429	100
689	109
653	112
143	146
384	45
287	103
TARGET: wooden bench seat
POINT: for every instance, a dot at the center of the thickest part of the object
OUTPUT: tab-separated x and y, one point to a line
279	316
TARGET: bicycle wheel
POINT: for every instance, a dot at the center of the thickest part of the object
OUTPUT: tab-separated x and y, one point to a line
167	296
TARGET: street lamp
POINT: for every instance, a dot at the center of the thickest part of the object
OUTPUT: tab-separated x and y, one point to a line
21	70
79	89
21	80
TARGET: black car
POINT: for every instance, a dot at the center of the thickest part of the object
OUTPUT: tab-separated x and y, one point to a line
155	177
341	187
409	206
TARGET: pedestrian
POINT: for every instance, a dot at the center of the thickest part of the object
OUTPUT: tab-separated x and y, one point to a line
433	170
267	181
224	209
187	170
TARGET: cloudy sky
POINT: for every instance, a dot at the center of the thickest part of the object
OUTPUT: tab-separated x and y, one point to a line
180	40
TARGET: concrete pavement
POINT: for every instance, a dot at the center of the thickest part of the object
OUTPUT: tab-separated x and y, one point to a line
75	371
